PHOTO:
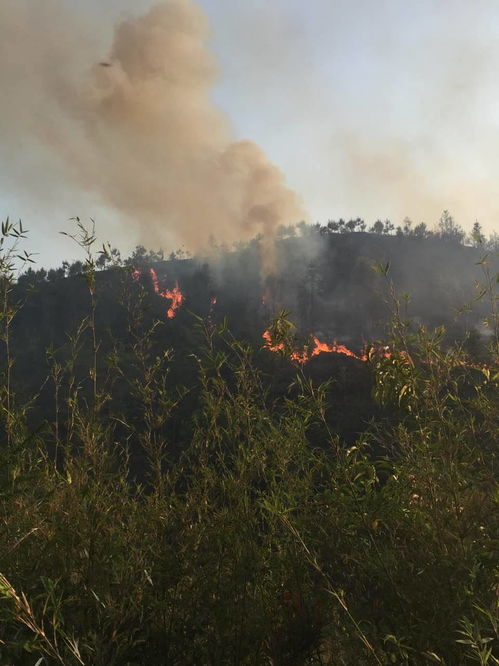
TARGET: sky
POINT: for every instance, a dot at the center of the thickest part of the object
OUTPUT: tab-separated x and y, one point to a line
380	109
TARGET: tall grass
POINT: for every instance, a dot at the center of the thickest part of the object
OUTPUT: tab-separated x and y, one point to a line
268	541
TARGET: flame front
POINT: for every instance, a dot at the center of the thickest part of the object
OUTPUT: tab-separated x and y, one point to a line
300	356
303	356
334	348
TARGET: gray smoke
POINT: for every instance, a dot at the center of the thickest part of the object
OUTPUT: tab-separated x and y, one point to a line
136	126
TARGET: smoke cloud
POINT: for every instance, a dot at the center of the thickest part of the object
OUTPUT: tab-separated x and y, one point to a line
136	127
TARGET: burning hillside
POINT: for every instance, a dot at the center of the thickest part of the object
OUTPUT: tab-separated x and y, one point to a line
316	309
325	283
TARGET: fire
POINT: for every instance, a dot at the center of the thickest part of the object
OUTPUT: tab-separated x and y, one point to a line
376	352
269	344
334	348
303	356
174	295
300	356
177	298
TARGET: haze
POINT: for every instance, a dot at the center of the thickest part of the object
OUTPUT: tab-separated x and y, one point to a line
351	108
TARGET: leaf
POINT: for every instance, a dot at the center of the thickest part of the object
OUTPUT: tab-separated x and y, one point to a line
403	391
381	267
481	294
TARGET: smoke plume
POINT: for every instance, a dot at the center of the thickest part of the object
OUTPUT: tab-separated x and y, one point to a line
136	127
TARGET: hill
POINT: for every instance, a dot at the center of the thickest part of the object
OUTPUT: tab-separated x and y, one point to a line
172	494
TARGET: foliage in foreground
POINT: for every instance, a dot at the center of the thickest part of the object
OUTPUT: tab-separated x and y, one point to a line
267	541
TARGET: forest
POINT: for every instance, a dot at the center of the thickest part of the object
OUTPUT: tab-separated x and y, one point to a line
207	460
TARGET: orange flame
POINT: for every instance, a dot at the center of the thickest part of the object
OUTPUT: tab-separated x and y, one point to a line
375	353
303	356
269	344
174	295
333	348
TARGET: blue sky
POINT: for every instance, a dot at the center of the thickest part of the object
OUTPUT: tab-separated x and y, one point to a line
377	109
